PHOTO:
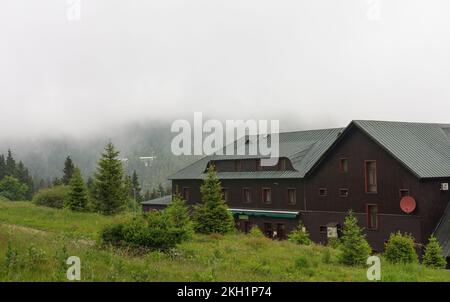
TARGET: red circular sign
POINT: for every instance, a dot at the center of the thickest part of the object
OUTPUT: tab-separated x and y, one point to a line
408	204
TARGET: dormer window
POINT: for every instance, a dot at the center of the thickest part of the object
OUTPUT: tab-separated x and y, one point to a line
282	164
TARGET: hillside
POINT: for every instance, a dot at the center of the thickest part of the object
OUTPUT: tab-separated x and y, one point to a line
40	239
45	156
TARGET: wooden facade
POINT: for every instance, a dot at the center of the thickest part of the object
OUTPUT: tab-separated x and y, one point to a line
355	173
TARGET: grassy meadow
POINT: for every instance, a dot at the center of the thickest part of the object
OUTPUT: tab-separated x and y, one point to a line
35	242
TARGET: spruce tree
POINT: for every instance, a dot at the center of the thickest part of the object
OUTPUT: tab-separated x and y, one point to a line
2	166
109	192
433	254
136	187
354	247
10	167
77	199
212	215
68	170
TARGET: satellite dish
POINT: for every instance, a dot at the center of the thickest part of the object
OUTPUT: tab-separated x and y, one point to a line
408	204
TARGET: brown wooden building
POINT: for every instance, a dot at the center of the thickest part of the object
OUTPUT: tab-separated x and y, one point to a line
393	175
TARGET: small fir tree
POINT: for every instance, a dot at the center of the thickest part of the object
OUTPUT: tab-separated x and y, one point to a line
110	192
212	215
300	236
354	247
77	199
433	256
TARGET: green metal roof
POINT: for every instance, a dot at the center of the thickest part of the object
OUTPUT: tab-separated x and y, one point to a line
423	148
303	148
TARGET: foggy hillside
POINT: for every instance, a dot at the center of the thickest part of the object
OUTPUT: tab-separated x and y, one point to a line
45	156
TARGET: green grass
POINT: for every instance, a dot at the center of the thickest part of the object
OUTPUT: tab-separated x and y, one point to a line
40	255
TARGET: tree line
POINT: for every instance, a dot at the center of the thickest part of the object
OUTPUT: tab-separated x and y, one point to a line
16	182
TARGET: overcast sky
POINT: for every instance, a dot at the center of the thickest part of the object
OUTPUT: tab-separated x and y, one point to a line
315	63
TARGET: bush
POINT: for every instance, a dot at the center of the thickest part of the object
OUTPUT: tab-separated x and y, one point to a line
256	232
354	247
433	254
12	189
400	249
177	212
299	236
153	230
54	197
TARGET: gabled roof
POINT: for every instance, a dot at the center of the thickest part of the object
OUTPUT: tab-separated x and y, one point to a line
303	148
422	147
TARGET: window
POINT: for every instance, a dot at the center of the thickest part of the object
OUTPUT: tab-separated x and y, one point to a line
404	192
258	165
246	195
282	164
371	176
267	195
323	192
187	193
268	230
343	165
372	216
323	229
226	194
343	192
177	189
237	166
292	196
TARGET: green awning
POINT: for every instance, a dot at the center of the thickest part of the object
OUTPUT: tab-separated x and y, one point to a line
269	214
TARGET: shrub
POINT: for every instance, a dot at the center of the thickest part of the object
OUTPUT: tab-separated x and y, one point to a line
13	189
178	213
400	249
433	254
152	230
299	236
256	232
54	197
354	247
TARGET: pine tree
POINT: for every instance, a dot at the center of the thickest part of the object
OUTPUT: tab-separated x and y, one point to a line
68	170
56	182
136	187
77	199
90	184
109	192
24	176
354	246
2	166
212	215
400	248
433	254
10	167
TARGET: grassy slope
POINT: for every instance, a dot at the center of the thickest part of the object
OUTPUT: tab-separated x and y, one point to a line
205	258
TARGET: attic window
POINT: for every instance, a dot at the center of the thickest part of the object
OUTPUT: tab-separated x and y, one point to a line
343	165
282	164
246	195
371	176
267	195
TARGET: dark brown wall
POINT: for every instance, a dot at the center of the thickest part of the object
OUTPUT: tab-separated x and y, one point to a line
318	211
391	177
279	192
